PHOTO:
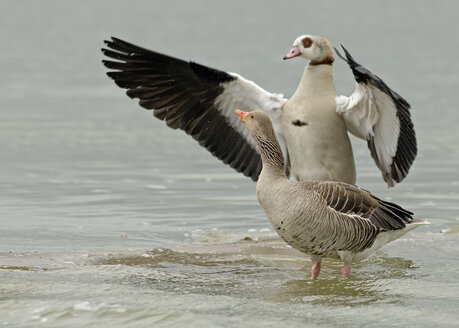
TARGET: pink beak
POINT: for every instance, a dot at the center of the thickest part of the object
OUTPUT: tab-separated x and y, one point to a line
294	52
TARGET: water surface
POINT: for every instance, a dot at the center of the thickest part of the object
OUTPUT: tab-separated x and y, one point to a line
111	219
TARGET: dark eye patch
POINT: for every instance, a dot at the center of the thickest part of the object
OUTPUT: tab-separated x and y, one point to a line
307	42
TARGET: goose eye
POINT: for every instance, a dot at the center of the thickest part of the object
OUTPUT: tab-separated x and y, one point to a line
251	116
307	42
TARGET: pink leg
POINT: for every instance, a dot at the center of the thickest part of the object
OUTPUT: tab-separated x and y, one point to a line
315	270
346	270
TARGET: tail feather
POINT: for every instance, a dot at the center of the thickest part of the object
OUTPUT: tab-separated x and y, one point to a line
386	237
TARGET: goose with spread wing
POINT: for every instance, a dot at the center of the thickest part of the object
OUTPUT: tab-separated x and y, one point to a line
324	219
312	126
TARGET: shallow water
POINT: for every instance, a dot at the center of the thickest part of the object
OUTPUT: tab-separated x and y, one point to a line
111	219
231	284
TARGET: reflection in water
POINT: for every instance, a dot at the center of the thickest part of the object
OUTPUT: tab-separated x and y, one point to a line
260	279
21	268
249	275
452	230
368	284
334	291
160	257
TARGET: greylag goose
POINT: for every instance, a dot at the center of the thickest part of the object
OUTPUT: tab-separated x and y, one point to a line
312	126
324	219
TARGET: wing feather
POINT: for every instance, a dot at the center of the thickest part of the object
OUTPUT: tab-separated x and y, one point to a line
196	99
361	205
378	114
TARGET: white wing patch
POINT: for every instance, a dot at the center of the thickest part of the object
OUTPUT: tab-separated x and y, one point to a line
380	115
359	111
387	129
248	96
370	114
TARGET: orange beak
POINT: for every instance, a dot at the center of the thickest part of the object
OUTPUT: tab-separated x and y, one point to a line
242	115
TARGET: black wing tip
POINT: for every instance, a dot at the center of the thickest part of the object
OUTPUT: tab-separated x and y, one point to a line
109	43
391	216
400	167
122	51
120	42
340	55
122	46
348	55
247	173
349	59
363	75
112	74
112	40
401	212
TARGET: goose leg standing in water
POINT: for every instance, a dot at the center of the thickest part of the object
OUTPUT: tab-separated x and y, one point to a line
324	219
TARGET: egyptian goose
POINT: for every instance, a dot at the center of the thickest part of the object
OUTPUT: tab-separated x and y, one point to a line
324	219
312	126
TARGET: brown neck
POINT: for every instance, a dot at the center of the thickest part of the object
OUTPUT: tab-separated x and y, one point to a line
271	153
325	61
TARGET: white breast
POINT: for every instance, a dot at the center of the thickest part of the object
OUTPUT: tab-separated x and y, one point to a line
316	135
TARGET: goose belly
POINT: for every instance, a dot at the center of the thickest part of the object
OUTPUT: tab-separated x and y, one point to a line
297	221
304	238
317	142
307	242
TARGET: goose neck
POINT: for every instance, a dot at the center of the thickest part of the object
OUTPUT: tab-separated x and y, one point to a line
316	79
271	156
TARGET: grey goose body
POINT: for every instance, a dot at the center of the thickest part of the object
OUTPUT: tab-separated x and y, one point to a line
324	219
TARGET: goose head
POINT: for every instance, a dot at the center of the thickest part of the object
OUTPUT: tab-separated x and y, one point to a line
312	47
261	128
257	122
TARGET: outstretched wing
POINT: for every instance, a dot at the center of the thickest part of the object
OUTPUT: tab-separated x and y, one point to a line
196	99
378	114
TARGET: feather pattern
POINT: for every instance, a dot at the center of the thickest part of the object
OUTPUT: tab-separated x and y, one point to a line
196	99
378	114
322	218
342	216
